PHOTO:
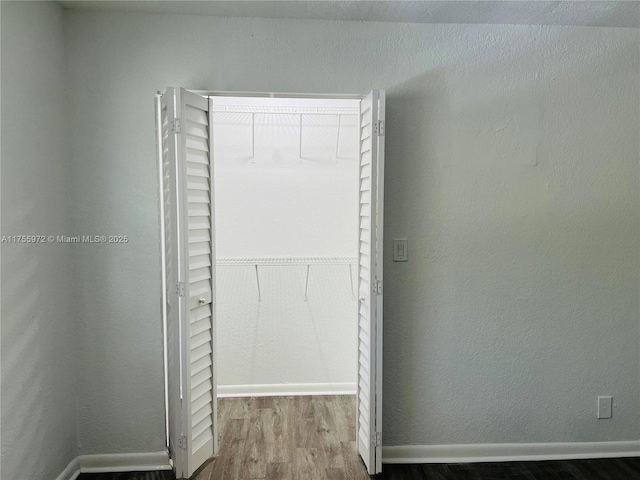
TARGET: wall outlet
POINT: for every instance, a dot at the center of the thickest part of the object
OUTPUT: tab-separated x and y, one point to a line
605	405
400	250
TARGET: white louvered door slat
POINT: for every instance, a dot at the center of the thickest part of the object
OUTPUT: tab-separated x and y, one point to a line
190	281
369	404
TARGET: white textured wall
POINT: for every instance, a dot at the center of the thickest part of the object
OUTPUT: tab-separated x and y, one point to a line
39	361
276	204
512	167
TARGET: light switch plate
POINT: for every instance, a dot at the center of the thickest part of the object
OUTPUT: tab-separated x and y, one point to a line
400	250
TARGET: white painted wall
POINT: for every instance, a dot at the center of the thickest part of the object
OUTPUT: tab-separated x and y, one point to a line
512	167
277	204
38	359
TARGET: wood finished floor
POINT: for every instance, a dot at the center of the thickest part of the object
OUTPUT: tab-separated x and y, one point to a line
286	438
313	438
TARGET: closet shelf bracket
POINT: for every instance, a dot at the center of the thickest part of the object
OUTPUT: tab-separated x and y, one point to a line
253	137
258	284
338	136
353	295
306	285
300	141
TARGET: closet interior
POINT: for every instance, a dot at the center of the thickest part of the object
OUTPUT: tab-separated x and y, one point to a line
286	173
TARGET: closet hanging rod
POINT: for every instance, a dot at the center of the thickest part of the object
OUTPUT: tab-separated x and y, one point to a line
286	261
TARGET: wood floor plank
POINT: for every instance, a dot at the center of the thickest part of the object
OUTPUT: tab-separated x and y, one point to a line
343	407
355	470
254	455
436	471
404	472
239	407
279	448
305	409
227	464
326	432
335	473
629	468
263	402
309	463
205	471
280	471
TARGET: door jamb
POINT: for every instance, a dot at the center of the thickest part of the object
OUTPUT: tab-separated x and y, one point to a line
208	94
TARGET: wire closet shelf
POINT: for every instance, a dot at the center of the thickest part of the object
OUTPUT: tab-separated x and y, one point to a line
286	261
298	110
289	261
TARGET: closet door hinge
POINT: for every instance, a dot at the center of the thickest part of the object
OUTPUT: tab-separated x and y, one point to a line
377	287
379	128
376	439
180	289
175	125
182	442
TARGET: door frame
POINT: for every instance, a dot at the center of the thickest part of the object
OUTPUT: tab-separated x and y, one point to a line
208	94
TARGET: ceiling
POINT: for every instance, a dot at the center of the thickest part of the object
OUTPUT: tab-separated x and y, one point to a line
608	13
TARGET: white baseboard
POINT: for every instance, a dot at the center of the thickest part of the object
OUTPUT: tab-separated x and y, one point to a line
286	389
508	452
119	462
124	462
466	453
71	472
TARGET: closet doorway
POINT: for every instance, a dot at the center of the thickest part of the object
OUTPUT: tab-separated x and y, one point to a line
271	234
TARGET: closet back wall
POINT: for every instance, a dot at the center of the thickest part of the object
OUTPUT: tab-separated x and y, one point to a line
283	195
294	193
512	167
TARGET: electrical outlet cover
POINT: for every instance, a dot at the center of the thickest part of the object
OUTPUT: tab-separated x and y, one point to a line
605	405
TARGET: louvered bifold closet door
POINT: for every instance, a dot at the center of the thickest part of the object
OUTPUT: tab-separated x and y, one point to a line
194	286
369	398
